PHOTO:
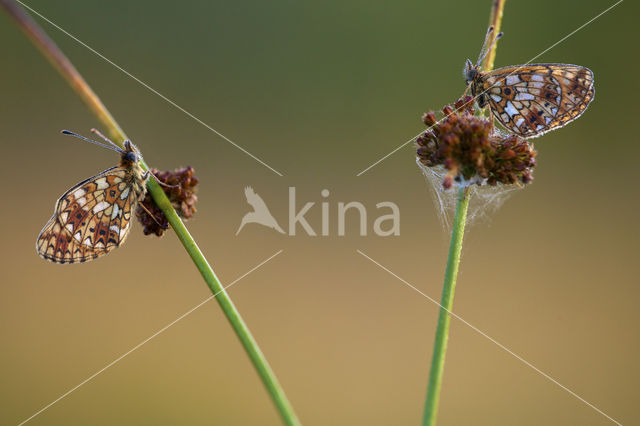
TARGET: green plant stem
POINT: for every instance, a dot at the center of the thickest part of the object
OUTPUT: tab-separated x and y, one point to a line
446	303
453	262
59	61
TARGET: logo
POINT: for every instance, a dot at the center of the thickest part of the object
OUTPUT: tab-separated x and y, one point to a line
260	213
384	225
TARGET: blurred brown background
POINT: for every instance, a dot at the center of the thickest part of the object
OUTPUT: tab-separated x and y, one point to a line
319	90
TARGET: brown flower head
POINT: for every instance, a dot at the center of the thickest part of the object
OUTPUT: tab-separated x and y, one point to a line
180	189
471	149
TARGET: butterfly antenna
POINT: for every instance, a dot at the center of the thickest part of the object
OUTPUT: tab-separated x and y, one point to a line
104	138
67	132
484	43
484	52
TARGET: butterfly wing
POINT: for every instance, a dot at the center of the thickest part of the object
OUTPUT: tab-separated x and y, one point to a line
531	100
90	219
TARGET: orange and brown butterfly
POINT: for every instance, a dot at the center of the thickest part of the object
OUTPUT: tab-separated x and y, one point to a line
94	217
530	100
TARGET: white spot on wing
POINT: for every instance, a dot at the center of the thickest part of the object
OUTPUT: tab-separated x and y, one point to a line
69	227
79	193
100	206
78	236
124	194
114	228
537	77
116	209
102	183
523	96
547	119
81	201
496	98
512	79
519	121
64	216
510	109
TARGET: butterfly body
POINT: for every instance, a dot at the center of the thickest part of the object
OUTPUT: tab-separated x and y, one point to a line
94	217
530	100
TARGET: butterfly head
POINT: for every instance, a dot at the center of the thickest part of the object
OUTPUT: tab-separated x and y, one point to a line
470	71
130	154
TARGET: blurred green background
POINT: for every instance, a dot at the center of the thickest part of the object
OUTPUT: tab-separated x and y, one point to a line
319	91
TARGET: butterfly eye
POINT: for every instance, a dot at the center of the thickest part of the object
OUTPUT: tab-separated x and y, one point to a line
131	157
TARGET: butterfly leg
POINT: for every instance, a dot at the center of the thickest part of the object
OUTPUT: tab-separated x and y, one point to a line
153	217
160	182
491	122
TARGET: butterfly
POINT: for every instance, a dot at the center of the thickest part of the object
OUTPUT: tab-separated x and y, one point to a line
94	216
530	100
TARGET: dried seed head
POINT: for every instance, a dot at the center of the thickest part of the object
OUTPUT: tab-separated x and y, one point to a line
181	191
472	150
